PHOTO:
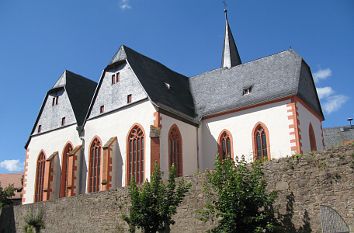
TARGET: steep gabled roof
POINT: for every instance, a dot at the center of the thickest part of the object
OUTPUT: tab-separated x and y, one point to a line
79	90
274	77
270	78
166	89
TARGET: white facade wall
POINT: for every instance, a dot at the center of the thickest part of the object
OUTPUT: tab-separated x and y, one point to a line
305	118
118	124
241	124
189	145
51	142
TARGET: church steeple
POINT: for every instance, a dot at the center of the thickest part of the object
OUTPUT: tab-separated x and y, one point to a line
230	56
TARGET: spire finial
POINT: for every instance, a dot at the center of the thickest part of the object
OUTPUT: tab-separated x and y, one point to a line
230	56
225	8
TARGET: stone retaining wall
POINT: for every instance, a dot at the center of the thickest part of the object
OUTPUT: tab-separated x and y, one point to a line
303	184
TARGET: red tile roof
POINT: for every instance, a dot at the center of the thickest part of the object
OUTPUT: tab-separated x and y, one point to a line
15	179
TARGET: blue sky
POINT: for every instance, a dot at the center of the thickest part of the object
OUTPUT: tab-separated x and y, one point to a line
39	39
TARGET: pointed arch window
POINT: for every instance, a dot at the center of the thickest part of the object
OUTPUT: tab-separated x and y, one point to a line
135	155
225	145
261	142
312	137
94	166
175	149
40	178
64	170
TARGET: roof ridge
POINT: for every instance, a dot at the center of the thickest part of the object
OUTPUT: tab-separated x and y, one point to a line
153	60
248	62
76	75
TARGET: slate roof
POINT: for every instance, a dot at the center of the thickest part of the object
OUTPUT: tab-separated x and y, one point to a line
79	90
166	88
270	78
337	136
281	75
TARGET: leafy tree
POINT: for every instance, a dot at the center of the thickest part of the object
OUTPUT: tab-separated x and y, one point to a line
237	198
6	194
155	202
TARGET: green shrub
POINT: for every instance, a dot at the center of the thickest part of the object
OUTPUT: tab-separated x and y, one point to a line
154	203
237	198
34	222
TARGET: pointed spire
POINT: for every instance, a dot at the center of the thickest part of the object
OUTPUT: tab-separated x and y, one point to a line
230	56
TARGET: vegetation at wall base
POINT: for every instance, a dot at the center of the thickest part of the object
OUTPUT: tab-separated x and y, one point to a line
155	202
5	195
34	222
237	198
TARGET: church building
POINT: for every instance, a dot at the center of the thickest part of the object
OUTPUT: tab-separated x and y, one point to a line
91	137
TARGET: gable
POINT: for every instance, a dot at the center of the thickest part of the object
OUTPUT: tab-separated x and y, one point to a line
114	96
307	90
50	117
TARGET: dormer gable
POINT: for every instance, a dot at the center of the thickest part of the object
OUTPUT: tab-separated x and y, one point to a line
65	104
118	87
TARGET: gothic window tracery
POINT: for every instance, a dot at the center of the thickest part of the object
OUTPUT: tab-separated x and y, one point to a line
94	166
175	149
225	145
64	170
261	141
40	178
136	155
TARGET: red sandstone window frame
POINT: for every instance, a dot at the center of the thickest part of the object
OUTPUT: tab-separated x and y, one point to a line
136	154
262	150
175	149
64	170
129	98
312	138
94	176
39	183
225	145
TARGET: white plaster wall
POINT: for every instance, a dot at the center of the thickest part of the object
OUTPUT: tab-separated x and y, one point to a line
49	143
189	145
241	124
305	118
118	124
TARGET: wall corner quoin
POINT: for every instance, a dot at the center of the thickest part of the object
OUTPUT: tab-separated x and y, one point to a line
294	127
25	174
